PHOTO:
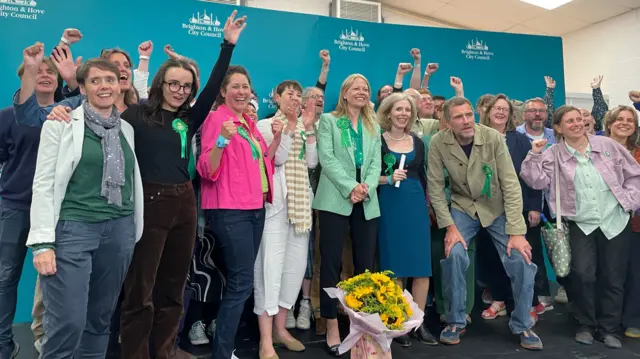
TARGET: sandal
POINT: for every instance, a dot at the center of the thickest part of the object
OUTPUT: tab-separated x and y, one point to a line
497	309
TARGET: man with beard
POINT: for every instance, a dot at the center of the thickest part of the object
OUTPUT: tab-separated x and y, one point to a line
535	116
485	193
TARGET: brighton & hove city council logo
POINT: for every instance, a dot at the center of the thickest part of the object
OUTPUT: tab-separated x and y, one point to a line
350	40
477	50
205	24
20	9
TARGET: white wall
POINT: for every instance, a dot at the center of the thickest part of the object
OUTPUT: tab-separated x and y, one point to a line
321	7
609	48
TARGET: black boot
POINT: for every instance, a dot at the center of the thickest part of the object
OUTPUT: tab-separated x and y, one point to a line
424	335
404	341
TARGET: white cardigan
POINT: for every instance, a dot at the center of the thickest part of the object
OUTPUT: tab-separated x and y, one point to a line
281	156
59	152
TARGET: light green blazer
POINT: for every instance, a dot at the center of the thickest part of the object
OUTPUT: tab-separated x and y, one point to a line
338	174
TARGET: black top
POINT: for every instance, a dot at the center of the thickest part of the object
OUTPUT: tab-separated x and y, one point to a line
159	148
417	168
467	149
519	146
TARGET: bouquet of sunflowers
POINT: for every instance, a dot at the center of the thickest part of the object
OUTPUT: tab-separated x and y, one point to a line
379	310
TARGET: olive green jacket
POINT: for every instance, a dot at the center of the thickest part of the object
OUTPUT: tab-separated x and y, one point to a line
467	179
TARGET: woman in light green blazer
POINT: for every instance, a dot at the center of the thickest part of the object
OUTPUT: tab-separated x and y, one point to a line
349	153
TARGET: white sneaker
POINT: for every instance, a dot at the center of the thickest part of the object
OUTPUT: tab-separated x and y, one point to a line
561	296
233	354
211	331
197	335
38	345
304	315
291	320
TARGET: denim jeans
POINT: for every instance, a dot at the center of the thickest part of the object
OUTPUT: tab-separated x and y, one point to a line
91	262
14	228
454	268
238	234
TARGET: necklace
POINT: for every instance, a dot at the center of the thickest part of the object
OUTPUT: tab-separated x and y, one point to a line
404	135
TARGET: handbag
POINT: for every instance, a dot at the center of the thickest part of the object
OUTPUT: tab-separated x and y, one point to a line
556	239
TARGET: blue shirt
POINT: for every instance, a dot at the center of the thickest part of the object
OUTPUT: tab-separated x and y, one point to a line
18	154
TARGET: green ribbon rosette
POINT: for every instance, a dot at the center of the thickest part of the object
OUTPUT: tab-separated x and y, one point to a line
389	160
343	124
488	173
181	128
254	150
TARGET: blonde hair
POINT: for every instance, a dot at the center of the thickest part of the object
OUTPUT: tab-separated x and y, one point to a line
384	112
486	120
612	115
367	112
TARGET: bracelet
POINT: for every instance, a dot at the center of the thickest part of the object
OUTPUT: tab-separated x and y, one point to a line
390	180
222	142
143	57
310	133
398	85
63	39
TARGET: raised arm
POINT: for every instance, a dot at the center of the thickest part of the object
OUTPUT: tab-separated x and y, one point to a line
141	74
403	69
428	72
634	96
232	30
324	70
417	73
457	85
548	99
600	106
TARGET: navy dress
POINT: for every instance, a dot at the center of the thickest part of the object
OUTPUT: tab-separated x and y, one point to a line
404	235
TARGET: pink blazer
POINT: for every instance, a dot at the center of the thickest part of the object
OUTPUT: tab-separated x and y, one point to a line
236	184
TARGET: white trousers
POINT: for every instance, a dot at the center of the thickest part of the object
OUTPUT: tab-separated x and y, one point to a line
280	265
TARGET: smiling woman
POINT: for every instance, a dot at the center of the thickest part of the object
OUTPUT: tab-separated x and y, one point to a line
86	232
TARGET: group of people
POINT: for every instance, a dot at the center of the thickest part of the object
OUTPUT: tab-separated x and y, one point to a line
135	187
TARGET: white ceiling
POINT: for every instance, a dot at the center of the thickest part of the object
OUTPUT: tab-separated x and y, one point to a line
513	15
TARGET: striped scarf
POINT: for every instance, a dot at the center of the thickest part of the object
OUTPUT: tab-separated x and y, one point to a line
297	177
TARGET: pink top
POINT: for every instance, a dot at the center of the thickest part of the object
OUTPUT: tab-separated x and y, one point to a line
236	184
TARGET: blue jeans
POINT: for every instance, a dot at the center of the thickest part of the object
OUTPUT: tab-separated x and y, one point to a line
14	228
91	262
238	234
455	266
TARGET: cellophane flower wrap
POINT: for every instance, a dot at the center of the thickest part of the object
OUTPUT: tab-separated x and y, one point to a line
378	309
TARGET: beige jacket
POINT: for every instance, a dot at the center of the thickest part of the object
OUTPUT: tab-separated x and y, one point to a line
467	178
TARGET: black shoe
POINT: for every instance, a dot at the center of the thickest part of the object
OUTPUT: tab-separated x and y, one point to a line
424	335
333	350
404	341
16	350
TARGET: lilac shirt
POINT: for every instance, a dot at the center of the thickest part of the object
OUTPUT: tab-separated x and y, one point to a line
613	162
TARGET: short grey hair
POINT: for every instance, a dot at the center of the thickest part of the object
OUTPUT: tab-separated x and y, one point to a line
306	93
532	100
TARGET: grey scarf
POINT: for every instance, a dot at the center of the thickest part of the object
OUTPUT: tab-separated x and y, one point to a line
108	129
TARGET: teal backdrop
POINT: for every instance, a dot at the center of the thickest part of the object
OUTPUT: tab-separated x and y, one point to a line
276	46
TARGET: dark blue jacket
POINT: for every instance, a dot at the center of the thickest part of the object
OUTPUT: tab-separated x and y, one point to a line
18	154
519	146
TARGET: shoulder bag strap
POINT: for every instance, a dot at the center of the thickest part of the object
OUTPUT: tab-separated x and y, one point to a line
557	176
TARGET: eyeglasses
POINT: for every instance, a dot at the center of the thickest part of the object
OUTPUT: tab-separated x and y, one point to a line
535	110
501	109
176	87
317	97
